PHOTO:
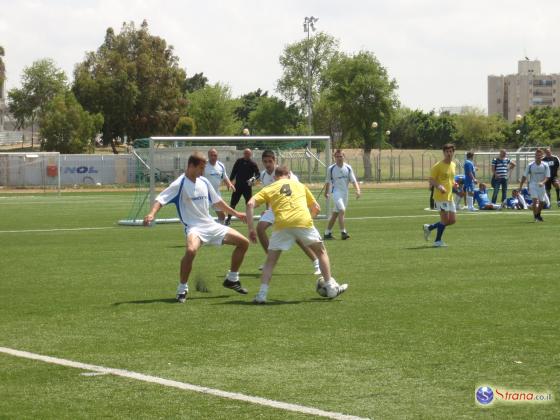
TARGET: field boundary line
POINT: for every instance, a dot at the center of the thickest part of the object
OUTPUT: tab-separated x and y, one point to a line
459	215
180	385
57	229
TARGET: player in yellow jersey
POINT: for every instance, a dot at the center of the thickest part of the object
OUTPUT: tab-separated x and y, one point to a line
293	206
441	179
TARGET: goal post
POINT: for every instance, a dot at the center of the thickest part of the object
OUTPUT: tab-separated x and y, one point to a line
160	160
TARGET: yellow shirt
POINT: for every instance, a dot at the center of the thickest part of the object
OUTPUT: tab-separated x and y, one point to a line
290	201
443	174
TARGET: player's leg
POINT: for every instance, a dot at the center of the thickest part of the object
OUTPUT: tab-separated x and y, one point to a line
495	186
311	255
271	259
332	220
504	189
320	251
241	244
247	194
556	183
193	245
262	226
235	197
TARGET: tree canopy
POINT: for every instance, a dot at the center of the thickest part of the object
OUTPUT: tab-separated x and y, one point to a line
213	110
40	83
66	127
134	81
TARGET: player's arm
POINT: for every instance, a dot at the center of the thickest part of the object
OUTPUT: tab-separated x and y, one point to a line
327	188
355	183
222	205
234	170
523	179
150	217
437	185
511	165
312	205
546	177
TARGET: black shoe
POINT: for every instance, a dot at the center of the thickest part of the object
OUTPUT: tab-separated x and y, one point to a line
181	297
235	285
227	222
344	235
539	218
328	236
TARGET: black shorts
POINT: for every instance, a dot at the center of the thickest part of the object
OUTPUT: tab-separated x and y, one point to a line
551	180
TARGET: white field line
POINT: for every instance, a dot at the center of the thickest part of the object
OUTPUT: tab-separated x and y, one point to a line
57	230
477	214
180	385
459	215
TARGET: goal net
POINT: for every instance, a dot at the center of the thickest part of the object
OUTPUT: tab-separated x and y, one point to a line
30	170
160	160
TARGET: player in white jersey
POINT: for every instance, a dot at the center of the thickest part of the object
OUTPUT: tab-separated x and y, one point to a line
339	175
215	172
193	195
537	172
267	218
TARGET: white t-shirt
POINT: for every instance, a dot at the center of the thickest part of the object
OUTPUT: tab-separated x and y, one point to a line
340	177
537	173
215	174
192	199
267	179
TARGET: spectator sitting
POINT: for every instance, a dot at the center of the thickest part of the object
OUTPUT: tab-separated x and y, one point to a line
459	190
525	194
515	202
481	198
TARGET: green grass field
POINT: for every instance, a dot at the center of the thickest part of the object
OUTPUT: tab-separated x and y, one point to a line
414	336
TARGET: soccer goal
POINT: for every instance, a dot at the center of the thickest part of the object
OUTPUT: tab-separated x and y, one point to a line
159	160
30	170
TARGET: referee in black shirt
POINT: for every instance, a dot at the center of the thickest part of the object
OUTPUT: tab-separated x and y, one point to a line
244	174
553	163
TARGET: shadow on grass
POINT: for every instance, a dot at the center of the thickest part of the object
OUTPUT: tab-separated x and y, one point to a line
166	300
412	248
254	275
274	302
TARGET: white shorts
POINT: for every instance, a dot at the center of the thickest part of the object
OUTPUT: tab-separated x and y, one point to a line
340	201
448	206
210	234
267	216
282	240
537	192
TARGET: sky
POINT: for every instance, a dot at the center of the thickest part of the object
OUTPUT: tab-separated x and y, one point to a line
439	51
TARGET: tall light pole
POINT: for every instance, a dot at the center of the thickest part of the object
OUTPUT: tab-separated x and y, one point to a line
308	26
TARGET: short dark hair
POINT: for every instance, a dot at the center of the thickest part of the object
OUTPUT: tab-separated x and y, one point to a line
268	153
448	146
281	171
196	159
470	155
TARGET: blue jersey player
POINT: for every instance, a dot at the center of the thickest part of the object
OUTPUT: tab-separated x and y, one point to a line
470	180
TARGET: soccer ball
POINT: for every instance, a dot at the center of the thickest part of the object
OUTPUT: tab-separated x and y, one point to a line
325	289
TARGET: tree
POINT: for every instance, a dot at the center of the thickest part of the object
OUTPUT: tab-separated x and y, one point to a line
213	109
247	104
66	127
40	83
273	117
363	92
186	126
134	80
196	82
293	85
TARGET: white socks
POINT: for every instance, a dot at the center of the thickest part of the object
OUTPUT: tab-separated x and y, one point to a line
470	201
233	275
182	288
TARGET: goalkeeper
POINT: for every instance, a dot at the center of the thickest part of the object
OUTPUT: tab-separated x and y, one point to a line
244	174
